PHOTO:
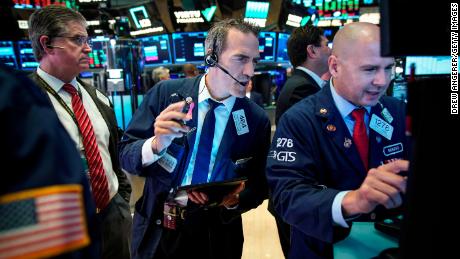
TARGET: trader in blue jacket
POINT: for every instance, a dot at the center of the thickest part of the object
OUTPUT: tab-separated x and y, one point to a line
163	143
328	164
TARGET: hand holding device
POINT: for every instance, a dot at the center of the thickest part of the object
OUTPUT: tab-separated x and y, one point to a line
169	124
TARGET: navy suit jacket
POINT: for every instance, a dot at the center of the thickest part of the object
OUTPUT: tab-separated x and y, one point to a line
312	159
297	87
147	226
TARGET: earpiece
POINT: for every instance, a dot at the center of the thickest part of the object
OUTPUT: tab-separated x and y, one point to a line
52	47
211	59
48	45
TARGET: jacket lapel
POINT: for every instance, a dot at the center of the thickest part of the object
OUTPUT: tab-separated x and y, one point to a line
376	141
192	91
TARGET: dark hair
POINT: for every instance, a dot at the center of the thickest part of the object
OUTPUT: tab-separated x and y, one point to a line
52	21
300	38
217	35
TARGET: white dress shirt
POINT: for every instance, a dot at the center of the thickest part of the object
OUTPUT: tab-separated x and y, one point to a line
101	130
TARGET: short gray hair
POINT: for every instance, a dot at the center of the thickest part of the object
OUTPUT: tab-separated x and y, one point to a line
217	35
51	21
159	73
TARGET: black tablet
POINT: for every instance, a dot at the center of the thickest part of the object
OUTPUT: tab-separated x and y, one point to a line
215	191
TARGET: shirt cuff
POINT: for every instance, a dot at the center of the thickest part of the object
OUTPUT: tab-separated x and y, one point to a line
148	157
337	215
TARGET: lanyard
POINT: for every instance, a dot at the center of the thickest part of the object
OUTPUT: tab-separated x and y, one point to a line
50	90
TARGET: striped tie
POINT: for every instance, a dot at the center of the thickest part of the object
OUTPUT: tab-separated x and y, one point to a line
99	184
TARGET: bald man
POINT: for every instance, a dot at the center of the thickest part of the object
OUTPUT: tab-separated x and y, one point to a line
336	155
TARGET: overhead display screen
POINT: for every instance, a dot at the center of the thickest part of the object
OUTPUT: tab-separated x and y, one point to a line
156	49
189	47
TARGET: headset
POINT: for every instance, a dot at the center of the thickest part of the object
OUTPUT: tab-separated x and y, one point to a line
54	47
48	45
211	60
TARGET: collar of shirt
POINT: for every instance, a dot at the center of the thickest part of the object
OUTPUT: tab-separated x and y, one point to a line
345	107
204	94
54	82
315	77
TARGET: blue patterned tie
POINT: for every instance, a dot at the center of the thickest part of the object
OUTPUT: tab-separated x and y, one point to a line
203	155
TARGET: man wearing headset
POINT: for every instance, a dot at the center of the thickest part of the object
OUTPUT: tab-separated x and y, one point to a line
215	135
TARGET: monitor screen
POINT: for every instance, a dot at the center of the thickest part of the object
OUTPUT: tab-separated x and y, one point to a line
98	54
27	59
189	47
256	9
7	55
428	65
156	49
267	46
281	50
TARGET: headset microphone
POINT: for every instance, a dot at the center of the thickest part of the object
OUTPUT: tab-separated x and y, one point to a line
211	61
54	47
226	72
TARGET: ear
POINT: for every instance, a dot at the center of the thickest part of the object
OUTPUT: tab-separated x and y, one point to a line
311	52
44	42
333	66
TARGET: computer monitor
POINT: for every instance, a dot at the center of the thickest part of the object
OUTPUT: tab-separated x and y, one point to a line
428	65
98	54
27	59
156	50
281	50
267	46
189	47
7	55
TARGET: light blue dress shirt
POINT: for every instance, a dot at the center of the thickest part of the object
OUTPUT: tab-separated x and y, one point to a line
345	108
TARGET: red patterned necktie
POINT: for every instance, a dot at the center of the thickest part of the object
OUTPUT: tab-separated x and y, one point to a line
360	136
99	184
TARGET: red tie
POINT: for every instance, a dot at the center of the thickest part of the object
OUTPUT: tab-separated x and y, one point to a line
360	135
99	184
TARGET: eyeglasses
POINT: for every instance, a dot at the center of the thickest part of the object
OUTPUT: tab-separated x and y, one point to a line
78	40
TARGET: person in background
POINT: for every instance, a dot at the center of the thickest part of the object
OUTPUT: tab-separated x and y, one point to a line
330	161
160	74
253	95
45	166
190	70
61	45
224	136
308	52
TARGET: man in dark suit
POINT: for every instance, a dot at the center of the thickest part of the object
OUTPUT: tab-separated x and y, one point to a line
61	45
253	95
167	145
308	52
333	155
45	165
